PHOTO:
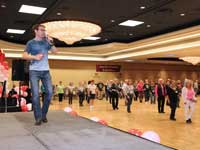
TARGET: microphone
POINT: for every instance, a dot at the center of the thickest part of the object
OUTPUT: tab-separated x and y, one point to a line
45	36
49	39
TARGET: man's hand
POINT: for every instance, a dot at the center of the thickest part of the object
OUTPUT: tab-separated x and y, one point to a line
50	40
39	56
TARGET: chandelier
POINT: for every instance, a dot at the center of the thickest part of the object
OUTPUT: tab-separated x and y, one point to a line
71	31
191	59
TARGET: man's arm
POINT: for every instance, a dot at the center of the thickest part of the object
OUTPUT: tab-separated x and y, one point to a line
27	56
53	49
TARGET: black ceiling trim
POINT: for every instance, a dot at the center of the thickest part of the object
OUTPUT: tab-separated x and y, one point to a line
166	59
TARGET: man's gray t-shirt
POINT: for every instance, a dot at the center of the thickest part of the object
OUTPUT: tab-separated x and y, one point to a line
35	47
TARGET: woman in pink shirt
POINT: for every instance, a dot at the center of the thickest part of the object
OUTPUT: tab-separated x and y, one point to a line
189	99
140	90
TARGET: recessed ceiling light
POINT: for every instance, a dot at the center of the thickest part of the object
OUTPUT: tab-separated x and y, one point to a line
130	34
15	31
3	5
11	36
131	23
112	20
142	7
106	39
32	9
148	26
91	38
59	13
182	14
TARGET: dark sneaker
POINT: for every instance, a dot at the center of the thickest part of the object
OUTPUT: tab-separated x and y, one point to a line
45	120
173	119
188	121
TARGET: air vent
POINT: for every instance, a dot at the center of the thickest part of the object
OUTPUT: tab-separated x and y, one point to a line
164	11
108	31
23	22
64	8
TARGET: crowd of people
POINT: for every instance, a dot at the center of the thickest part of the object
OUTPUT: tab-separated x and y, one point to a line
162	92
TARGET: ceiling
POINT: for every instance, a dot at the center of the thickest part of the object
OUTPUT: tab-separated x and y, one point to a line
170	34
162	15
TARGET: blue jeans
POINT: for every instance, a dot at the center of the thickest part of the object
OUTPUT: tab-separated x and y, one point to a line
35	77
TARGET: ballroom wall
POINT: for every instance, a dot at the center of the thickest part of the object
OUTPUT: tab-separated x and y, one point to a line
76	71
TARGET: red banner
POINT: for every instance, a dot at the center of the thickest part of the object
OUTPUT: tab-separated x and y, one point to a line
108	68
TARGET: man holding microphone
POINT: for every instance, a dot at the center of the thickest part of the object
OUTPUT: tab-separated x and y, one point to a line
36	52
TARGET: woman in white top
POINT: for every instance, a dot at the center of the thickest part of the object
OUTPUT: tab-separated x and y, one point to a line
92	89
189	99
129	94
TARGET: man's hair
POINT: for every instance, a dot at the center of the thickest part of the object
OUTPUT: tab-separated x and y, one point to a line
36	26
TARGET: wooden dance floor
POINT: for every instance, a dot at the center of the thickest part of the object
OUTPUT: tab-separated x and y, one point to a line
145	117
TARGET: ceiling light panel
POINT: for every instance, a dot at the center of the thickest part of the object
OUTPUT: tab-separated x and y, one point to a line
131	23
32	9
15	31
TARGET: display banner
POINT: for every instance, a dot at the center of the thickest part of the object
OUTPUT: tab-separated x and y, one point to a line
108	68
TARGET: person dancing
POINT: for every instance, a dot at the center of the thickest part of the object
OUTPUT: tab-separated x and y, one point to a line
188	95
